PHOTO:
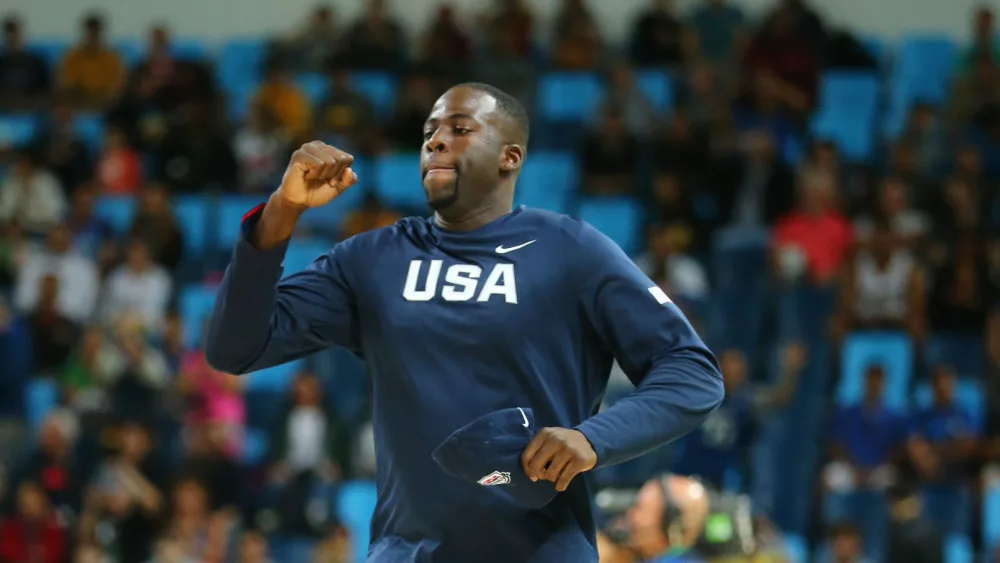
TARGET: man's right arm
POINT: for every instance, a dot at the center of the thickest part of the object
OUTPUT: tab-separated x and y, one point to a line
259	321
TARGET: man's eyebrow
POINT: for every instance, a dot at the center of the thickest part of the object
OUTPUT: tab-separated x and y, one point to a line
450	116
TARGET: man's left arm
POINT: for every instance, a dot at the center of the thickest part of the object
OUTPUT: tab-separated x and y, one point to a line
677	378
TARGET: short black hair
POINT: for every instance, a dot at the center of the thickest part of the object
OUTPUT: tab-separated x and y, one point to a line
508	104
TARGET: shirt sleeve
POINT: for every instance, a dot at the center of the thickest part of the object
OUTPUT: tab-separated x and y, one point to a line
259	322
677	379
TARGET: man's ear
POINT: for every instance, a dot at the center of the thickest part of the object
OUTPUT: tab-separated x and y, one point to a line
511	158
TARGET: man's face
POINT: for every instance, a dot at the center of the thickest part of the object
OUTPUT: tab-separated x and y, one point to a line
645	521
461	149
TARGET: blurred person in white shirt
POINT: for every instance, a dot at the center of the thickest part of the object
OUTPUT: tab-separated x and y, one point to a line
77	274
139	287
32	196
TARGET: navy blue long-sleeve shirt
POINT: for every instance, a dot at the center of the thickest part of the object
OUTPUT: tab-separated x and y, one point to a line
526	311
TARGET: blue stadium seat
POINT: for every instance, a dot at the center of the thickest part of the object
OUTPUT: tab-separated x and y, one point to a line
550	171
568	96
379	88
42	396
301	254
848	103
117	211
18	130
796	549
958	549
620	219
313	85
964	354
239	95
854	138
658	86
231	210
276	379
239	62
255	443
51	50
893	351
89	127
195	302
924	66
131	51
991	518
968	396
188	48
877	48
549	200
192	217
397	181
355	506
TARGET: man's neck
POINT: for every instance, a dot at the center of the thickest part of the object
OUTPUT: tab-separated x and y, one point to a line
480	215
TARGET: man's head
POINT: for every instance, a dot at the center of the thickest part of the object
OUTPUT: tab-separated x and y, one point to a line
12	38
60	239
93	30
668	514
734	367
137	255
475	141
845	542
48	290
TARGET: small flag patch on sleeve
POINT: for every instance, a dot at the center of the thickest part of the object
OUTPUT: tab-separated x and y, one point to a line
658	294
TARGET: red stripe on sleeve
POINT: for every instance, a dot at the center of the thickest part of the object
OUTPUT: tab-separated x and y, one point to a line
252	212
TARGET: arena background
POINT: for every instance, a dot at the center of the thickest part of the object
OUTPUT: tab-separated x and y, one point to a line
863	273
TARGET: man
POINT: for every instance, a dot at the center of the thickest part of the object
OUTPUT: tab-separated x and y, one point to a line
480	308
665	521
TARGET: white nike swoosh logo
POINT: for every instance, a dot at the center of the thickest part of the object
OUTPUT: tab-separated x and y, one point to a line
524	416
502	250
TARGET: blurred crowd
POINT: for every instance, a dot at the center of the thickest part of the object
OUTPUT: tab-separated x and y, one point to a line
142	459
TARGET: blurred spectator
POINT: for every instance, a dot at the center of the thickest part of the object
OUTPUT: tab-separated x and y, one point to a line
311	47
782	64
15	371
815	238
155	225
172	340
261	151
209	459
138	372
664	261
924	131
911	538
60	149
24	76
214	400
610	156
91	74
126	501
34	533
53	464
960	211
86	373
253	548
282	99
370	215
906	223
881	288
374	42
845	545
683	150
718	26
944	436
984	44
502	63
865	441
759	189
309	453
577	44
178	81
71	270
658	37
13	251
962	297
704	95
142	111
53	335
119	167
674	210
192	532
974	95
413	104
905	165
31	195
195	155
92	236
723	441
335	547
346	117
138	287
510	23
446	49
623	93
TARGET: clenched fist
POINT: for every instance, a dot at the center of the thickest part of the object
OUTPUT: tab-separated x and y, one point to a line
316	174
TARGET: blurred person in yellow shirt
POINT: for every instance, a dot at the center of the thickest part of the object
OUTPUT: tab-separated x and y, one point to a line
280	97
370	215
91	74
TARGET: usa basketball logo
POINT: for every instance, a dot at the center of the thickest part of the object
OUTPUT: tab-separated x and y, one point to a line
495	478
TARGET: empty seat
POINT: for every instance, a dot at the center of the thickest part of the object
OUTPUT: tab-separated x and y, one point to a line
117	211
188	48
658	86
51	50
355	506
255	443
275	379
968	396
379	88
958	549
848	93
42	397
891	350
568	96
620	219
18	130
796	549
231	210
549	171
301	254
89	127
924	67
191	214
239	62
131	51
195	304
397	181
314	86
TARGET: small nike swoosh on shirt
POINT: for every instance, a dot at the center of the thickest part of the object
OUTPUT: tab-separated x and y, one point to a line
502	250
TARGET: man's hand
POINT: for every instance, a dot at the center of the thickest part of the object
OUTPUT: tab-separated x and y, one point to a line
316	174
558	455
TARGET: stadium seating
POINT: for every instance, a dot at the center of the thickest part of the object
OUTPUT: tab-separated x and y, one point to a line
355	506
379	88
116	211
397	181
848	102
968	396
192	216
892	351
568	96
41	396
18	130
618	218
